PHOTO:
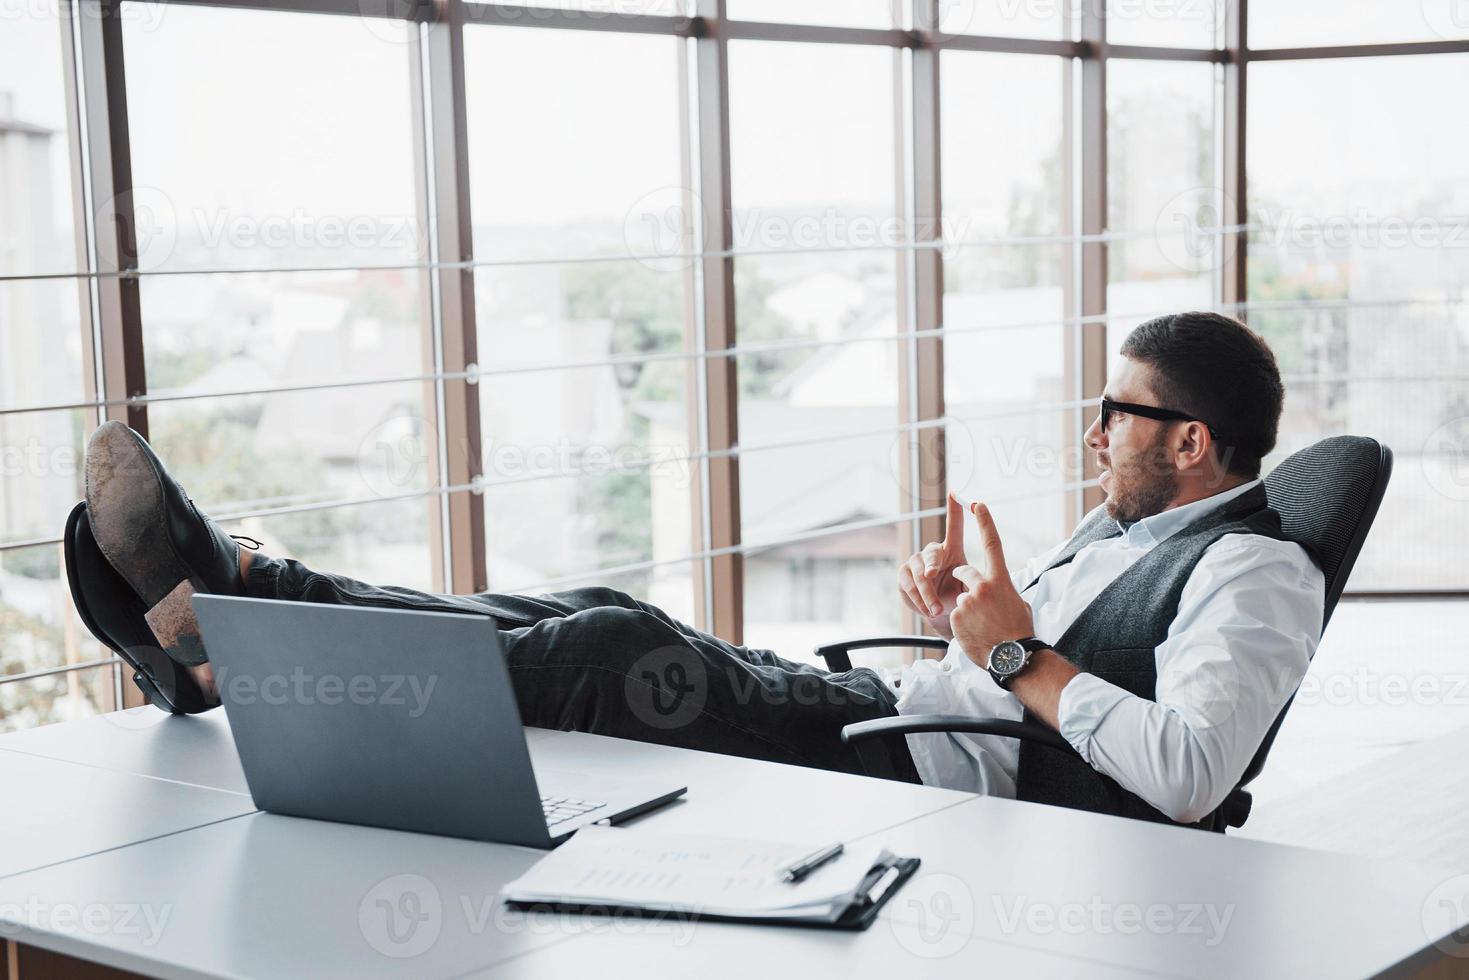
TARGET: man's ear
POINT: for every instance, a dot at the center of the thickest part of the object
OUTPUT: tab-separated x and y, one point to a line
1191	445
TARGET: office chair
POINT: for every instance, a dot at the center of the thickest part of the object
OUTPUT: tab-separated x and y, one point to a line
1327	496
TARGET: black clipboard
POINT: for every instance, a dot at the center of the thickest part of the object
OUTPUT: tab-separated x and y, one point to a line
858	916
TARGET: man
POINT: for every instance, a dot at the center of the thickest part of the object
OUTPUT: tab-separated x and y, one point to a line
1176	621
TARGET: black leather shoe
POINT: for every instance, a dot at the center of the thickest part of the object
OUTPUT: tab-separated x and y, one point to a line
156	539
113	612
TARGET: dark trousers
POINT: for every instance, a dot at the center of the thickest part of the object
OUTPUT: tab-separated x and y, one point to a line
597	660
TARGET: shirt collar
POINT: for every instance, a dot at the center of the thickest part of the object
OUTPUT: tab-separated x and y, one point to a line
1151	531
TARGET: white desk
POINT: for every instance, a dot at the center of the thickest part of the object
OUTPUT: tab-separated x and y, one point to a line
229	892
55	811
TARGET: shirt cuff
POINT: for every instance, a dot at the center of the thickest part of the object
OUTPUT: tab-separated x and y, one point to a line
959	661
1085	701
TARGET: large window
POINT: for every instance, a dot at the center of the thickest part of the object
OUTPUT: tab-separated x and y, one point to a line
581	296
599	291
1357	277
1163	186
44	361
816	278
1005	385
252	167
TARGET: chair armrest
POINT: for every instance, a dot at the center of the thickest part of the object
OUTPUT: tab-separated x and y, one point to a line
1233	812
836	654
912	724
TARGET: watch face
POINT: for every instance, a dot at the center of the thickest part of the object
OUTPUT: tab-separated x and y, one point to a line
1007	658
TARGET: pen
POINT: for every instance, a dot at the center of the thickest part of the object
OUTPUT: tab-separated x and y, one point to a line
810	863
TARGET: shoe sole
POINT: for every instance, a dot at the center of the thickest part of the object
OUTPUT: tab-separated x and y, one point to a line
126	502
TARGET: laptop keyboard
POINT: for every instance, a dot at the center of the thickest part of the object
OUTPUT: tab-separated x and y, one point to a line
558	810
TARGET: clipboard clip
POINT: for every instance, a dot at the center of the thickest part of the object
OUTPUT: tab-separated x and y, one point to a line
877	883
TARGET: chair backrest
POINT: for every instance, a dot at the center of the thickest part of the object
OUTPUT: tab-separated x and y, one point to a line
1327	496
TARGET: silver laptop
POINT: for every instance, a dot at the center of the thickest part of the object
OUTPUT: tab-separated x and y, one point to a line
394	718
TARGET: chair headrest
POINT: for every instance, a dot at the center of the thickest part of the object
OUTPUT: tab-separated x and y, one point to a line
1327	496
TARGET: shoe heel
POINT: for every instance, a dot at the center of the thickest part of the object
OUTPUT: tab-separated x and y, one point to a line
173	623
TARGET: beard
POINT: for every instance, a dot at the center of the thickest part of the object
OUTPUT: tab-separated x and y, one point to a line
1142	486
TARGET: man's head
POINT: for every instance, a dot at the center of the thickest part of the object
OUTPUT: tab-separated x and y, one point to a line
1220	382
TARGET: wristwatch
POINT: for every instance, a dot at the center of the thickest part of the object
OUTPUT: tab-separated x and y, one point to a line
1010	657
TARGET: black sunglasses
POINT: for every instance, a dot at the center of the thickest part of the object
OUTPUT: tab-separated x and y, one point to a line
1149	412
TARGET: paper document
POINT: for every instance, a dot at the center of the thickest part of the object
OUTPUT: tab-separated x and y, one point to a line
640	868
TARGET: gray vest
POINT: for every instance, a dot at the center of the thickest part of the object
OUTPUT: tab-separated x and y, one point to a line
1114	638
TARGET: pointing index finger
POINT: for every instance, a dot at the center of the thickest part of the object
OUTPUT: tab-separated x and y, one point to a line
989	540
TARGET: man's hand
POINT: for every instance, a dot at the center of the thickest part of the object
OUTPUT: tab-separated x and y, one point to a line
927	581
989	611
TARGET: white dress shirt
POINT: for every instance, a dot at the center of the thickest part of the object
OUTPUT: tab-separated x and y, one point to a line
1247	626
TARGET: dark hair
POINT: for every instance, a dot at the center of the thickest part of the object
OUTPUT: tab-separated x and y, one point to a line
1219	370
